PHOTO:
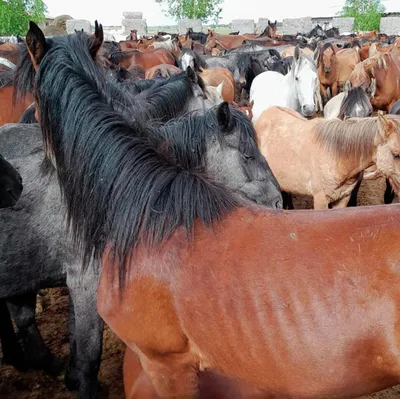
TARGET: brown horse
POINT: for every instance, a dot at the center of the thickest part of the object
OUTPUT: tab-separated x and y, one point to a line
327	157
10	113
335	67
382	74
161	71
214	77
224	42
146	60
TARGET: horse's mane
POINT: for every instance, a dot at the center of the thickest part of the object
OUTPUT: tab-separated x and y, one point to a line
353	138
6	78
377	61
29	115
354	95
304	59
24	75
120	191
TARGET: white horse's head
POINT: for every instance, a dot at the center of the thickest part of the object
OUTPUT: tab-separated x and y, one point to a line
304	74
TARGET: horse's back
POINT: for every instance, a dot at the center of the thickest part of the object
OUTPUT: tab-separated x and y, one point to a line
288	284
267	90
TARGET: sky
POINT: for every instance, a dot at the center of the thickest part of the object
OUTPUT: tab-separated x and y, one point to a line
110	12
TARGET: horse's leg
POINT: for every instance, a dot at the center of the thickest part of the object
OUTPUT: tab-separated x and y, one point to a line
87	335
354	193
173	376
320	201
389	193
38	355
287	200
324	94
12	353
342	202
334	89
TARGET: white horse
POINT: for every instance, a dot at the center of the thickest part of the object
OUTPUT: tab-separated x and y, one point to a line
296	90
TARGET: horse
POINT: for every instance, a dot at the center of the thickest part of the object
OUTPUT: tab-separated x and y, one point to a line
270	30
296	90
146	60
223	42
217	76
380	72
335	68
219	303
188	57
161	71
395	109
329	156
11	112
198	36
352	103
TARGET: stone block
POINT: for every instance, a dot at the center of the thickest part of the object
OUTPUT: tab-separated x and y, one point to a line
186	23
132	15
291	26
390	25
345	24
242	26
78	24
139	24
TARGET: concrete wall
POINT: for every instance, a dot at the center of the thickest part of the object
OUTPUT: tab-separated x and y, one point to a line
132	15
344	25
186	23
390	25
78	24
291	26
139	24
243	26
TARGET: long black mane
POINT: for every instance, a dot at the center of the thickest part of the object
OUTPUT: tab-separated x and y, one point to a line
120	190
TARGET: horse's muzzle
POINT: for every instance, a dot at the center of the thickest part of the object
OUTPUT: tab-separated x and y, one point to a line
327	69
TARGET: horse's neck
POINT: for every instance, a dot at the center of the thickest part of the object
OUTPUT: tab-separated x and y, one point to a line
290	93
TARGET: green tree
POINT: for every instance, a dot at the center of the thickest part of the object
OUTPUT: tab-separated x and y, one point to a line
205	10
16	14
366	13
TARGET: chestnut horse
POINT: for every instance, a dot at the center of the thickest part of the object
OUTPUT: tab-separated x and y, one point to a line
299	304
146	60
223	42
10	112
214	77
382	73
161	71
325	158
335	67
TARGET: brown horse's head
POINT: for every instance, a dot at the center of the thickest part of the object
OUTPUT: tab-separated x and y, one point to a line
388	152
272	28
327	58
211	41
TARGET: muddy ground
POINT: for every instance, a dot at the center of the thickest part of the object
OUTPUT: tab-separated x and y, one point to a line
52	322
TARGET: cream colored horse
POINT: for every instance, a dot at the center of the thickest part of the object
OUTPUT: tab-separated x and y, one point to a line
325	158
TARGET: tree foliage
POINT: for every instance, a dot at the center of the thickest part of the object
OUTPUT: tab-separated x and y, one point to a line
366	13
205	10
16	14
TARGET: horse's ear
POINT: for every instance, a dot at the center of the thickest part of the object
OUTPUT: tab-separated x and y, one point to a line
36	44
347	86
297	53
224	117
96	40
192	45
385	126
269	23
191	75
276	21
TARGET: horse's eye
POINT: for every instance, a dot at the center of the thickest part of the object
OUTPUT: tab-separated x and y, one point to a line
248	157
296	78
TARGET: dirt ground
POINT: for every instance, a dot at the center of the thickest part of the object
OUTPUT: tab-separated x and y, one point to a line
52	322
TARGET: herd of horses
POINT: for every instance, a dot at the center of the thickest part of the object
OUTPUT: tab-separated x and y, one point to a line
149	176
